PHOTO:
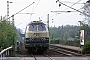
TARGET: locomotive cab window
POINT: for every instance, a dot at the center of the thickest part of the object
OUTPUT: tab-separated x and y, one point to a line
32	27
41	28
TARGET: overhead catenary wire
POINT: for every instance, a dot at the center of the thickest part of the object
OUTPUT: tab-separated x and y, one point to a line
21	10
74	9
45	14
36	5
47	11
71	2
68	7
74	4
34	8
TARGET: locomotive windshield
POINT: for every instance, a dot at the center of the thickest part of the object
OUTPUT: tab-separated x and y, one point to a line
41	28
37	27
33	27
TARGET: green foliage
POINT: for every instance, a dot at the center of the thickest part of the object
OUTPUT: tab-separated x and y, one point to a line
64	32
86	48
53	40
7	34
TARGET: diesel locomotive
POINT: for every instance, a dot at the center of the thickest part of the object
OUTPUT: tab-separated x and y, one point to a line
36	36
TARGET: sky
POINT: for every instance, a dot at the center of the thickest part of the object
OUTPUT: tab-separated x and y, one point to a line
40	9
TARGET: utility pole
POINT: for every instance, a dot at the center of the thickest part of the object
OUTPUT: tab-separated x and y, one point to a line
62	35
48	21
8	10
13	36
39	18
13	26
13	20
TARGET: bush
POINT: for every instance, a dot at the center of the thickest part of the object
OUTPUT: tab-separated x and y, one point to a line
86	48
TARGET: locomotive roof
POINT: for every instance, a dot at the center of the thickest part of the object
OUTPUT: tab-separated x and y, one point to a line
36	23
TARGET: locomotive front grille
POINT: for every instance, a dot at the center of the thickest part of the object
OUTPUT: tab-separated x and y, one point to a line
37	40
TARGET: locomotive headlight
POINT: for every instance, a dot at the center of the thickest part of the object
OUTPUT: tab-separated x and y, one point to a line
31	39
43	39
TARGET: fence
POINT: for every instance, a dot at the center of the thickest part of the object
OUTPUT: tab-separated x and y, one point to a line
7	52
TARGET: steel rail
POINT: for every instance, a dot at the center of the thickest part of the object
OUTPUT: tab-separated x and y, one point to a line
33	56
65	51
48	57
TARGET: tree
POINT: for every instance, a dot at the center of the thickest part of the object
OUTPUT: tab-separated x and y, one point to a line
86	48
8	34
65	32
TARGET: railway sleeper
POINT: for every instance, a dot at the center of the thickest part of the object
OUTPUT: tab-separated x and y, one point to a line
62	53
67	50
71	52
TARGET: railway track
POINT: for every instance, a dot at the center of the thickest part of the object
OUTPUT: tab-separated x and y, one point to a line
25	53
48	57
64	51
35	56
54	51
44	55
